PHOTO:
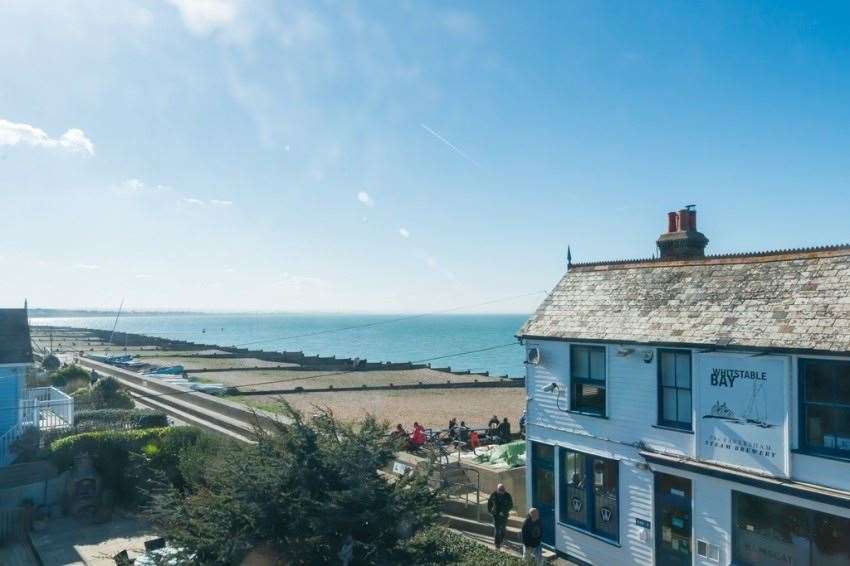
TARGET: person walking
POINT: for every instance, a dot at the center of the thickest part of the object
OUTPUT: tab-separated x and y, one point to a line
499	505
532	536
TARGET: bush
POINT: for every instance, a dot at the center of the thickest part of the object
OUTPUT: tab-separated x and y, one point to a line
300	493
105	393
112	453
51	362
69	374
97	419
439	546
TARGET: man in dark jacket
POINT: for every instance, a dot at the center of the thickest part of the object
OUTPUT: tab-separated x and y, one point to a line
499	505
532	536
504	431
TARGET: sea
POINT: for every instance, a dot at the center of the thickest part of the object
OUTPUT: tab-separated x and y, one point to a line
475	342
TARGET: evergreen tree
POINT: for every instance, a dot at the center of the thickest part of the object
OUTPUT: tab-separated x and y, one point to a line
297	495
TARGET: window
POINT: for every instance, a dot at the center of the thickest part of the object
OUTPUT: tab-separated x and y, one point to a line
825	406
770	533
589	493
587	379
674	389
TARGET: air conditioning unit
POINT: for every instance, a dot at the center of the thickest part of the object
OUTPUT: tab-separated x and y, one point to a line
533	356
707	550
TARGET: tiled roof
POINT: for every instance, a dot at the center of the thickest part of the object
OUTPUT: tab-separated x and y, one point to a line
15	346
789	299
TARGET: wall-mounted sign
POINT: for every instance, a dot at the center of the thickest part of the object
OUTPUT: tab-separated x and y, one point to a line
742	414
576	503
400	468
643	523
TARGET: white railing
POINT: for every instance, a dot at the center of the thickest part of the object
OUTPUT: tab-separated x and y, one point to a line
47	408
6	441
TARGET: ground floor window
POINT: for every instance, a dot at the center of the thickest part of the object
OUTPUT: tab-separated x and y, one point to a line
589	493
770	533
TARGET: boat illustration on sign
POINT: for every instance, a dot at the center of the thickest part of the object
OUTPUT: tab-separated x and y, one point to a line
721	411
755	412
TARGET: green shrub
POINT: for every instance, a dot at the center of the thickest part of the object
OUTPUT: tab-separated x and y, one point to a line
98	419
51	362
69	374
438	546
105	393
113	452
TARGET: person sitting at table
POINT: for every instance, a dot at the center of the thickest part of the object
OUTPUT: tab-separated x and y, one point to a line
474	440
417	437
399	432
463	432
493	423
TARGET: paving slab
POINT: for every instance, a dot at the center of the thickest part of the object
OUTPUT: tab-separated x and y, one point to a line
81	543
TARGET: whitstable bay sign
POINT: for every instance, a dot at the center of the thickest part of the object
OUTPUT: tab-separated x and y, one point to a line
742	412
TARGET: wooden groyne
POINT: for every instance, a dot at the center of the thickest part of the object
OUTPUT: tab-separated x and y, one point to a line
126	340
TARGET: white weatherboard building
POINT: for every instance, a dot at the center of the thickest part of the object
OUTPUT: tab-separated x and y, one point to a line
694	409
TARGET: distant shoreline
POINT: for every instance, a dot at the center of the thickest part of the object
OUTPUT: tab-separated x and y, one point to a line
82	313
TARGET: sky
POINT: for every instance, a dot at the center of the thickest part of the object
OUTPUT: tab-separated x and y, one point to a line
230	155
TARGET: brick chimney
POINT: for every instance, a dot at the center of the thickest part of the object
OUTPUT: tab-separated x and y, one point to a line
682	241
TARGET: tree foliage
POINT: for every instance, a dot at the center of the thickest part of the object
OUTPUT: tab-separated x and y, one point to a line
297	494
69	374
105	393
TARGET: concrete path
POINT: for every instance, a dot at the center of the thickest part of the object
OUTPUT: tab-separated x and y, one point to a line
70	541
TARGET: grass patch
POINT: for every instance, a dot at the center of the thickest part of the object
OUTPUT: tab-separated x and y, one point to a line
262	405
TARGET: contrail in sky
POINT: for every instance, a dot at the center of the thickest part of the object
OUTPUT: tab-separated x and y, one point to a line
448	143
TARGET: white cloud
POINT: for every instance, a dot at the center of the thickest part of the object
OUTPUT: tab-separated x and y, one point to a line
135	186
194	201
203	17
364	197
216	202
144	276
87	266
75	140
404	233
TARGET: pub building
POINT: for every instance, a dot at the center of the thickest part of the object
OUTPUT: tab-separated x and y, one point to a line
694	409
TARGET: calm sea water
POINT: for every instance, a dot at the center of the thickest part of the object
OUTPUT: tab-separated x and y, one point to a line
389	339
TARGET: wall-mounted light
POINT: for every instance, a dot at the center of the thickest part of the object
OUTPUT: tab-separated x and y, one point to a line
533	356
647	356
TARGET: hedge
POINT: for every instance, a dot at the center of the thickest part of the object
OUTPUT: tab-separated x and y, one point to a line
97	419
112	453
438	546
69	374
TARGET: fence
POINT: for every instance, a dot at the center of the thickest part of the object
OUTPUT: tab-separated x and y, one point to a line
12	524
6	441
47	408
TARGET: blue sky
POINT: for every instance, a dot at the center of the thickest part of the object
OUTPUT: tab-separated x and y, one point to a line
402	156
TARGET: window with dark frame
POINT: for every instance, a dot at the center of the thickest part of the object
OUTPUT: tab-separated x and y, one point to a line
825	406
674	389
587	379
589	493
768	532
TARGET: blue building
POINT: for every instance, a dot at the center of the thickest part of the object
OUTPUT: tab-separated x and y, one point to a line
22	407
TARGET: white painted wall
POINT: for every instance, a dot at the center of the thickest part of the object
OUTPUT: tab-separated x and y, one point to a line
631	398
632	412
